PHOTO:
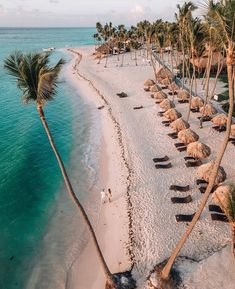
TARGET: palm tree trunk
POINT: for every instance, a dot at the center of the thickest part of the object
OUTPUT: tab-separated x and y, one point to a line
122	59
74	197
219	69
233	239
220	154
191	90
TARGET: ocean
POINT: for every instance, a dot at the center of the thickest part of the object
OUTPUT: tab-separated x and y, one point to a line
40	230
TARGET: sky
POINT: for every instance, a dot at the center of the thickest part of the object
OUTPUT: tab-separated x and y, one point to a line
85	13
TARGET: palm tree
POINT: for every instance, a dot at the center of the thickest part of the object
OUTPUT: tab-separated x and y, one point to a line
184	14
37	80
222	14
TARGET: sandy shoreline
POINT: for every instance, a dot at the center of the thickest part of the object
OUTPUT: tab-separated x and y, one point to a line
114	243
155	231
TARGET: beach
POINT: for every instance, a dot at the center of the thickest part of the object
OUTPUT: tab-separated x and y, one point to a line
138	227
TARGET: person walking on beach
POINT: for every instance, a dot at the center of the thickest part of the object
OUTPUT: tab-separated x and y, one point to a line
103	196
109	195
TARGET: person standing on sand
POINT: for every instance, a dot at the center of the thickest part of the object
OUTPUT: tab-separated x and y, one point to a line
103	196
109	195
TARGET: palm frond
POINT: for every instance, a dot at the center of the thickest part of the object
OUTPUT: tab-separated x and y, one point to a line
35	77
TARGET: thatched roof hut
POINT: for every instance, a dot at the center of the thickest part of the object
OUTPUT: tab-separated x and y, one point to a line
220	119
155	88
164	73
179	124
172	114
159	96
232	133
149	82
183	94
187	136
173	86
224	196
198	150
197	102
202	62
165	81
167	104
208	110
205	170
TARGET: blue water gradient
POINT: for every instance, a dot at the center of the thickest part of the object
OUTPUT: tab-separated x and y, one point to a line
29	174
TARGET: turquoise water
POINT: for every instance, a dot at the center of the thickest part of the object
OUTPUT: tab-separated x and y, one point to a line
30	180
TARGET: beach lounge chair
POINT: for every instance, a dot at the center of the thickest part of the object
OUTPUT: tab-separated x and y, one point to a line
184	218
179	188
181	200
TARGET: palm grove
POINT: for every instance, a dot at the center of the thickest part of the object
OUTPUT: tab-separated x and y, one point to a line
189	42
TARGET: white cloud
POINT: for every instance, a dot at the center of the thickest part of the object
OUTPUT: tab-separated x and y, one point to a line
138	9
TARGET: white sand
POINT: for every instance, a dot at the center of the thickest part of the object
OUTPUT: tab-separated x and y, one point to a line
155	230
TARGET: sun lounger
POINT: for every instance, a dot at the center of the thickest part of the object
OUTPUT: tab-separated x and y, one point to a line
163	166
173	134
146	89
182	149
219	128
138	107
219	217
179	188
181	200
200	181
183	101
165	121
167	124
160	113
194	110
179	144
189	158
122	95
231	139
205	118
163	159
196	163
100	107
215	208
184	218
203	189
171	93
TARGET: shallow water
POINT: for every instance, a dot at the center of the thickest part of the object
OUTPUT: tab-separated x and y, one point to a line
34	210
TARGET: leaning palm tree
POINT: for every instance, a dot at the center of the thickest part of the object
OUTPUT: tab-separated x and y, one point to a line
38	80
222	15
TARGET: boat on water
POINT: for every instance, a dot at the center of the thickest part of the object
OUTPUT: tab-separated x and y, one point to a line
48	49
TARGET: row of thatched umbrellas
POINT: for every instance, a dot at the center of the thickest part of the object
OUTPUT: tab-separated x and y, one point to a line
187	136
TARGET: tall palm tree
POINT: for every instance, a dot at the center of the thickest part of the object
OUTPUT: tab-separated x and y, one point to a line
222	14
38	80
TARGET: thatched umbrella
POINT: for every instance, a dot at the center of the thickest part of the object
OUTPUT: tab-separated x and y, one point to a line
232	130
183	94
164	73
159	96
205	170
208	110
155	88
149	82
198	150
165	81
179	124
187	136
172	114
197	102
220	119
173	87
224	196
167	104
